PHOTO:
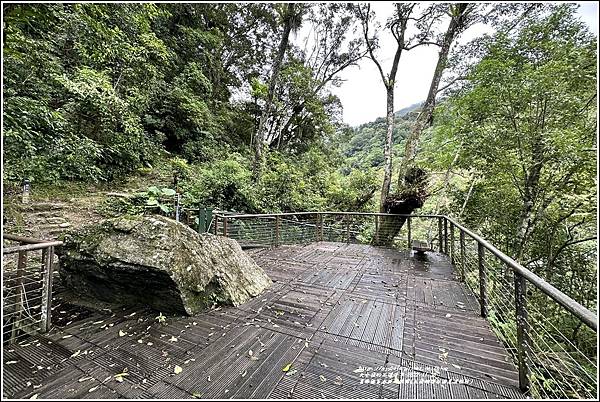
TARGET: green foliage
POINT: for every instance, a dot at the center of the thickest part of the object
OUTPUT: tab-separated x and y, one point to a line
522	132
96	91
363	146
93	91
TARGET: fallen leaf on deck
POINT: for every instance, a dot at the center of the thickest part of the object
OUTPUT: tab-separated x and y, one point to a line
76	353
119	377
287	368
121	333
178	370
34	396
323	379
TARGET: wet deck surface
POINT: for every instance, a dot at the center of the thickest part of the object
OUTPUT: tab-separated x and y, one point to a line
340	321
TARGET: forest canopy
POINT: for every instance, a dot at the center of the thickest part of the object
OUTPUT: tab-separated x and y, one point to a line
248	118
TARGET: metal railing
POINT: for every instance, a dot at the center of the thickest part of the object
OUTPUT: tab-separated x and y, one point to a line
550	337
27	276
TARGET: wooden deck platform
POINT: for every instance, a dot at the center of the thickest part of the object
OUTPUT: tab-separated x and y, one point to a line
340	321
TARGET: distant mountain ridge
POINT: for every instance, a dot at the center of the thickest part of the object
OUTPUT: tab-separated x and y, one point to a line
363	146
399	114
406	110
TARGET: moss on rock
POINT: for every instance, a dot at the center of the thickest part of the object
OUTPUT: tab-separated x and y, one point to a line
158	262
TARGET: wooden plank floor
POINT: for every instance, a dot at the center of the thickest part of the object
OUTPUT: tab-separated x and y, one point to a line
345	320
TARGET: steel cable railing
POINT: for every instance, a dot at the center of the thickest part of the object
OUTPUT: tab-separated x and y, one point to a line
550	337
27	276
550	363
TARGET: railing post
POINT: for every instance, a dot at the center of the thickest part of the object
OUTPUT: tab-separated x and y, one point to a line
409	233
216	224
46	317
320	227
445	236
277	222
482	280
201	220
225	226
348	229
462	255
377	229
522	331
18	306
452	259
440	243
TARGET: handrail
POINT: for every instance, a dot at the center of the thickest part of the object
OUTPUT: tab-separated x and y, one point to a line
31	247
22	239
241	216
21	313
586	316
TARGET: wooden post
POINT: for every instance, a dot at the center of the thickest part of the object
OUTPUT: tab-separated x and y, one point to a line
445	236
409	245
18	305
319	227
482	280
440	244
462	255
224	226
348	229
377	229
48	259
216	224
452	259
522	331
277	222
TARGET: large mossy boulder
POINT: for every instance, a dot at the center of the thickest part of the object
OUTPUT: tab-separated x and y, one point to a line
158	262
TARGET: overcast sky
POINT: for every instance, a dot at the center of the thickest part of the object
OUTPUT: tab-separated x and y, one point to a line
362	95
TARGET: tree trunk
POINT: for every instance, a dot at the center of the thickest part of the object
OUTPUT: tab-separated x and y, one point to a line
411	193
260	133
387	149
425	116
529	194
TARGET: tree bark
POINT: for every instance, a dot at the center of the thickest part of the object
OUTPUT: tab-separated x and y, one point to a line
530	191
425	116
411	193
387	148
260	133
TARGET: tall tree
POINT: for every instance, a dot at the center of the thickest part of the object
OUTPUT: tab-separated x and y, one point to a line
527	119
398	25
291	16
331	46
459	16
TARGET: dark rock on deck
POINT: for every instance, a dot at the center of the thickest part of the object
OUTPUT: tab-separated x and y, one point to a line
160	263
